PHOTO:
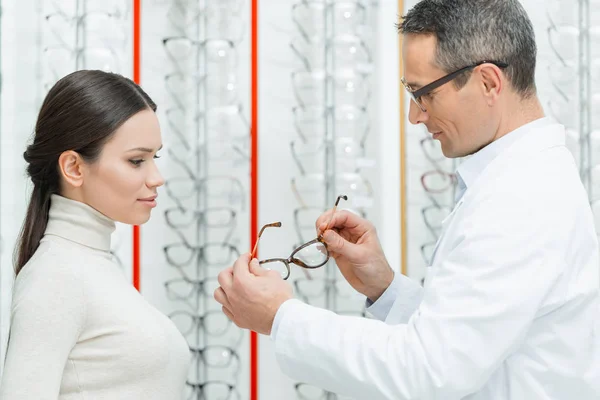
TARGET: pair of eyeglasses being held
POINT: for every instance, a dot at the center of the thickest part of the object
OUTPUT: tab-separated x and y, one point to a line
311	255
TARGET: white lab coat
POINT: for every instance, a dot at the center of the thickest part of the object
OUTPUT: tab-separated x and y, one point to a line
508	306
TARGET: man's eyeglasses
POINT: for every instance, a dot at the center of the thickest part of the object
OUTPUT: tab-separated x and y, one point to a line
417	94
310	255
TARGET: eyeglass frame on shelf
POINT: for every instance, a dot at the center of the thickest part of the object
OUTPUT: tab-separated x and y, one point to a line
330	112
327	179
200	185
200	352
198	253
198	389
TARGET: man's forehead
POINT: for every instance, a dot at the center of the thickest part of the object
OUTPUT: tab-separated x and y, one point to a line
418	56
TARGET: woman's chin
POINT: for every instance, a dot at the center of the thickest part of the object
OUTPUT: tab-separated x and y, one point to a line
136	219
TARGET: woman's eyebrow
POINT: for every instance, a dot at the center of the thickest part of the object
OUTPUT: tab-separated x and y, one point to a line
145	149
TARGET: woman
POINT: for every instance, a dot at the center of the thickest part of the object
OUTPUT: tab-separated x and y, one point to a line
79	330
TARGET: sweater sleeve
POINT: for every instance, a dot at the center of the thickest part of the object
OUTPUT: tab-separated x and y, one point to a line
47	317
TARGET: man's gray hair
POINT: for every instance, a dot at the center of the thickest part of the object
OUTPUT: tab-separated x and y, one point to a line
470	31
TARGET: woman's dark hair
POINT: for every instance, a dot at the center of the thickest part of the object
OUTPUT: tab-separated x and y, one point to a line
81	112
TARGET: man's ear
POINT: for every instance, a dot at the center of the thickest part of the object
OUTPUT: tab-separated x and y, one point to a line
71	167
491	80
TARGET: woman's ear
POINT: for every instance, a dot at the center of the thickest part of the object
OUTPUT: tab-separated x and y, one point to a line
70	165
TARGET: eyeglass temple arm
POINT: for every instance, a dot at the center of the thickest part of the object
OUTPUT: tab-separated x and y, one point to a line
272	225
426	89
341	196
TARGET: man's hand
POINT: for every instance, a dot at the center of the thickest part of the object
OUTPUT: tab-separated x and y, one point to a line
251	295
353	243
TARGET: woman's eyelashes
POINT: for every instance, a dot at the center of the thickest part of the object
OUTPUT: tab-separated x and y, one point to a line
136	162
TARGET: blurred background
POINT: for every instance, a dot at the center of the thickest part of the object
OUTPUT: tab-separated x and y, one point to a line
330	119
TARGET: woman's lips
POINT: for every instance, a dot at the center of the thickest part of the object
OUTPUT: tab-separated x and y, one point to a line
149	201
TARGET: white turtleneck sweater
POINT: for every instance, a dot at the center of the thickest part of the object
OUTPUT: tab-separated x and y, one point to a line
79	330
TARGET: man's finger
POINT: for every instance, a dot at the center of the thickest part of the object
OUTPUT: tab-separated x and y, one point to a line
257	269
342	219
321	223
221	297
225	278
241	268
228	313
338	245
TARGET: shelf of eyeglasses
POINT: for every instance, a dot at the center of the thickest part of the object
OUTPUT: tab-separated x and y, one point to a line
589	144
70	7
211	326
187	258
432	150
567	11
345	88
564	35
320	18
215	225
215	124
566	75
312	190
592	172
595	203
340	53
320	122
438	181
60	61
314	155
570	99
100	28
213	55
214	190
183	288
221	154
216	90
214	363
427	251
308	392
215	218
217	390
190	291
433	216
217	357
569	110
215	18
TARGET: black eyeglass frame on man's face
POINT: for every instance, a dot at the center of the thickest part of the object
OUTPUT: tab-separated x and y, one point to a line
417	94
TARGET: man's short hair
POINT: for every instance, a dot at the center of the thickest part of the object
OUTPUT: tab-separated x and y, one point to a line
470	31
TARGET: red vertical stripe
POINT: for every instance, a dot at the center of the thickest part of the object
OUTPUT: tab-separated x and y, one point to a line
254	178
136	79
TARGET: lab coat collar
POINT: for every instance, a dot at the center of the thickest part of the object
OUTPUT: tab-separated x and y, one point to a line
531	136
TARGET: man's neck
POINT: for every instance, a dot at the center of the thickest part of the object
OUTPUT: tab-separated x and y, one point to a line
519	113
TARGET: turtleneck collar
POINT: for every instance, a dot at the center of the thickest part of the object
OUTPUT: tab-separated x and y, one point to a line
79	223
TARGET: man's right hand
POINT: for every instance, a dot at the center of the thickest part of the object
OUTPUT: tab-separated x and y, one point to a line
353	243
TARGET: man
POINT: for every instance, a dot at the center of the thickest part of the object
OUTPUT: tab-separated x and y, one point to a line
508	306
